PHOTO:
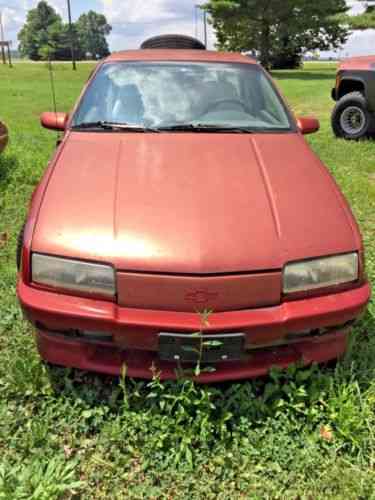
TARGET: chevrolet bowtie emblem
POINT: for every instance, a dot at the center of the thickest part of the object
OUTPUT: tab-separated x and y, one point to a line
200	296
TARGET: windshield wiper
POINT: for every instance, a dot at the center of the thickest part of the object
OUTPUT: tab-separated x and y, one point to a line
104	125
206	127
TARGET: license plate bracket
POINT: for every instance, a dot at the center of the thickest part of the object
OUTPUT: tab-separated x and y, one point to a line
185	348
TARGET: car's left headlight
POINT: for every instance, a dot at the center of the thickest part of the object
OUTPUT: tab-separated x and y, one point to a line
320	273
73	275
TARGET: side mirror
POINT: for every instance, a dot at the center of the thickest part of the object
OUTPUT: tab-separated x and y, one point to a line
308	125
54	121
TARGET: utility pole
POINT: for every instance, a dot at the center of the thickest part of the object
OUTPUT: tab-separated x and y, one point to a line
205	27
2	39
9	55
197	6
71	37
196	20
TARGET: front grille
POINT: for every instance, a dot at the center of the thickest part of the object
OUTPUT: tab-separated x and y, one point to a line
198	293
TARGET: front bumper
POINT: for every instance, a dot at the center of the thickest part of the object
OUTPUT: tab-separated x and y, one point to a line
135	332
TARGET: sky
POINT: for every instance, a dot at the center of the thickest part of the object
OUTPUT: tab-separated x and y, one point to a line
135	20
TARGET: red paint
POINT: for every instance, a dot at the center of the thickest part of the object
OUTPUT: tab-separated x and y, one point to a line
179	55
137	330
201	297
358	63
190	293
54	121
189	222
251	216
141	364
63	312
308	125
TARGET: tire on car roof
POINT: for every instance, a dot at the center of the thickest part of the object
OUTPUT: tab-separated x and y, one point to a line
173	42
351	118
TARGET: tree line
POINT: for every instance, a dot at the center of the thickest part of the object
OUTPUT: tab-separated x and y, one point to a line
280	32
45	35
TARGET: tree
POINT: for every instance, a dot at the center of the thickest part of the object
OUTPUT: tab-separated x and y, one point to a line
280	31
41	33
363	21
58	45
92	29
45	36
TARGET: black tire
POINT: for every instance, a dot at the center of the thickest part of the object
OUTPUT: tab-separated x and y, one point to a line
173	42
19	247
351	118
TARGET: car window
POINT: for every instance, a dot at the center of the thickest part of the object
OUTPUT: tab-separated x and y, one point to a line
162	94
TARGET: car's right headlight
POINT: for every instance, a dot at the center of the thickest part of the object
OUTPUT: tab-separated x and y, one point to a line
320	273
73	275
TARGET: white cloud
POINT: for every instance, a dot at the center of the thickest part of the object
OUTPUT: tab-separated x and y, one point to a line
136	11
12	18
60	6
137	20
360	43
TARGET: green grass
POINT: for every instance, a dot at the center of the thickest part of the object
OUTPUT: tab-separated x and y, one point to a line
308	433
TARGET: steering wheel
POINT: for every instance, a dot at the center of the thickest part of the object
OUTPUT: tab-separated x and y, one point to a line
217	103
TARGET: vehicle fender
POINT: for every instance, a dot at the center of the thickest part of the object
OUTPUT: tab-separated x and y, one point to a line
366	78
33	212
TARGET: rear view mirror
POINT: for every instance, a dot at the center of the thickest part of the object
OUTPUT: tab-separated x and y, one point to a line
308	125
54	121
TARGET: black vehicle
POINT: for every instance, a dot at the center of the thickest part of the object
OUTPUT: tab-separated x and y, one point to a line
353	117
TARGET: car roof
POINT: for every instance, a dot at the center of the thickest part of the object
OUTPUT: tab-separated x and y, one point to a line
179	55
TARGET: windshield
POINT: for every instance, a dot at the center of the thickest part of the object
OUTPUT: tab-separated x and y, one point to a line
174	94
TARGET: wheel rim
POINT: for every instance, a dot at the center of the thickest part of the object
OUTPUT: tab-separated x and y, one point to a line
353	120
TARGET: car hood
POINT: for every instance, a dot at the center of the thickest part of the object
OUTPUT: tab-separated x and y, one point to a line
192	203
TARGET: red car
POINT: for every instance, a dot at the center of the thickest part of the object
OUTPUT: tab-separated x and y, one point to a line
184	184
